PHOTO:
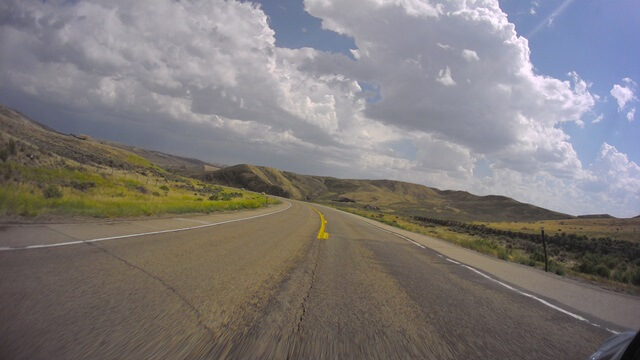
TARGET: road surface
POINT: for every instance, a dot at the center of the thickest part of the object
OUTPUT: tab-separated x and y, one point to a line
266	287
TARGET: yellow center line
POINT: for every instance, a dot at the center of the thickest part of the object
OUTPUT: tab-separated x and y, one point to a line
322	234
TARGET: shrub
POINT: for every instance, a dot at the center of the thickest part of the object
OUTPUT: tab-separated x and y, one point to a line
556	268
130	184
83	185
164	188
503	254
602	270
589	263
537	256
52	192
4	155
155	193
634	277
609	261
621	276
12	147
142	189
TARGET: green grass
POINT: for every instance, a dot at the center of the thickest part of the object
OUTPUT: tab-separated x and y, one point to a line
87	194
46	175
136	160
16	200
482	245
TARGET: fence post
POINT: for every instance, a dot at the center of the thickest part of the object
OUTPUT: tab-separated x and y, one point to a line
544	246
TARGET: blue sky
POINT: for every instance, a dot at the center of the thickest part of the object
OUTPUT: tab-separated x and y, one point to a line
529	99
597	39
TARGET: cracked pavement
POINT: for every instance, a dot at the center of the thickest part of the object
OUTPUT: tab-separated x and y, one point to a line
267	288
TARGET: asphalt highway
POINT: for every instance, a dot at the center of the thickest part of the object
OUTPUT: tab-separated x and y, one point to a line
268	288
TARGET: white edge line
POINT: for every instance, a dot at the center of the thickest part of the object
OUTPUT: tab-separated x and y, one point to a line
139	234
192	220
396	234
542	301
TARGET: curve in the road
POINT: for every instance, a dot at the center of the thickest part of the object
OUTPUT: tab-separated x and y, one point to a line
142	234
322	233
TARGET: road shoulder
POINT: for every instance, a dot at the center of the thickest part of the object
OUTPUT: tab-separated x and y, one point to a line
20	236
621	310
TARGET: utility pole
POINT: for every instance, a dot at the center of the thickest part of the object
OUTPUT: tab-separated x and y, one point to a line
544	246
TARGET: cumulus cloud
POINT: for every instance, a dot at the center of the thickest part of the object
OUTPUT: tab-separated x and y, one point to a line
210	70
615	180
598	119
611	184
504	100
470	55
216	59
444	77
631	114
624	94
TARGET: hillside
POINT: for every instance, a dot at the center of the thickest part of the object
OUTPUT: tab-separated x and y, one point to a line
176	164
401	197
47	174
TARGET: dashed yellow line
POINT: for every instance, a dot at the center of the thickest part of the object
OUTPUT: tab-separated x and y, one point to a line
322	234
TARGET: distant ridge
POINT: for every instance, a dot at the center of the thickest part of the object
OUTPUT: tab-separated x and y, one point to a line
403	197
596	216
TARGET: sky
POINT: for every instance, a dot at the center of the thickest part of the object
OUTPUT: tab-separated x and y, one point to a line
535	100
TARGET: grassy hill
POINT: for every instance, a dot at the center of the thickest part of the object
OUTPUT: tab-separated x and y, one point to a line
176	164
41	148
46	174
401	197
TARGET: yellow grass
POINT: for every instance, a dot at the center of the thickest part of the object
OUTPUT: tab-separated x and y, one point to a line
108	193
621	229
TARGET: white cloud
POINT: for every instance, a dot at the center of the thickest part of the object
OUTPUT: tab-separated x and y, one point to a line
615	180
610	185
598	119
216	83
631	114
470	55
534	7
444	77
439	155
503	88
624	94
